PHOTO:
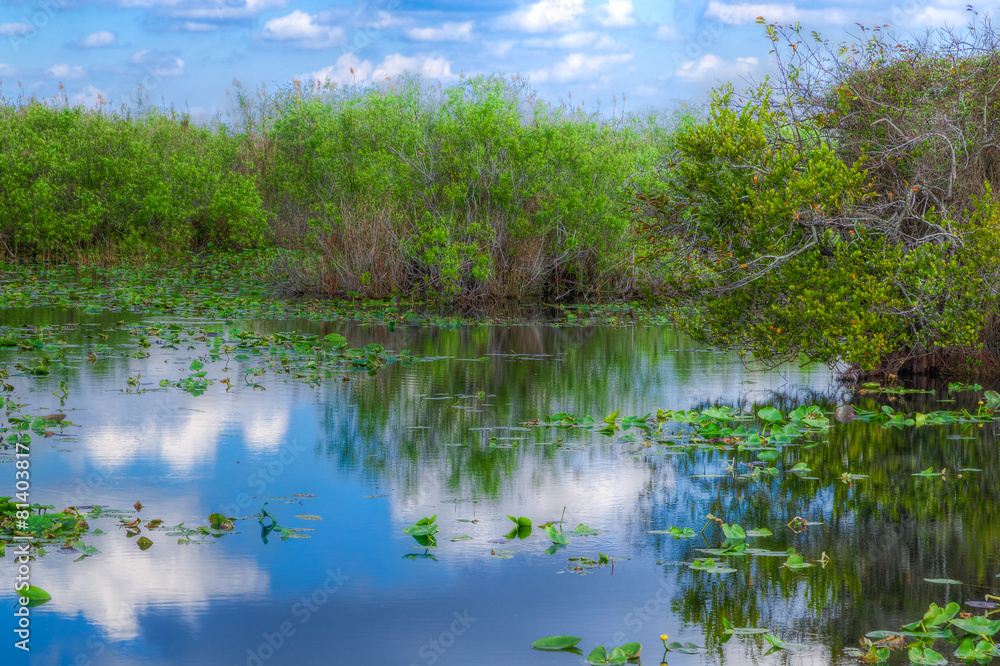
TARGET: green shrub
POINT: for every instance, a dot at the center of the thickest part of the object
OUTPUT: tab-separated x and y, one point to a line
73	180
795	231
483	189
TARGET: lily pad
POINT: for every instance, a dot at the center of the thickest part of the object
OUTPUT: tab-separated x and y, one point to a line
683	648
36	596
555	642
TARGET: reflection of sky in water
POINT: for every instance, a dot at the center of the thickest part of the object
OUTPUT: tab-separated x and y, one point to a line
186	456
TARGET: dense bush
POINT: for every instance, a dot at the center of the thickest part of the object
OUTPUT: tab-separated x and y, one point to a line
848	217
73	180
478	189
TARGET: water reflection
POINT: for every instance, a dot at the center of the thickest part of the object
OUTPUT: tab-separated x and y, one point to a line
371	455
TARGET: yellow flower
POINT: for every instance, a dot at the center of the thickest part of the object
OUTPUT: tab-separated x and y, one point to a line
664	637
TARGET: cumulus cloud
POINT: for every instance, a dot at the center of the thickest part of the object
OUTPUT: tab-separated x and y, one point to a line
17	28
711	65
449	32
747	12
394	65
157	63
6	69
544	16
91	96
97	39
66	72
576	40
617	13
429	67
304	30
348	70
579	66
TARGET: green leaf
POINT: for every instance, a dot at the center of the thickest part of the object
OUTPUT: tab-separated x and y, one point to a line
197	365
556	536
796	561
555	642
770	414
978	625
144	543
35	594
944	581
683	648
598	655
926	656
733	532
784	645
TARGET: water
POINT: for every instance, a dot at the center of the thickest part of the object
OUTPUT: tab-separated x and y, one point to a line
371	455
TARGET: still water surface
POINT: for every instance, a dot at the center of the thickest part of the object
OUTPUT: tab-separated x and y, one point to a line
371	455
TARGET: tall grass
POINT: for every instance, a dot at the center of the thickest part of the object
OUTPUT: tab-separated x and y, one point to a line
479	189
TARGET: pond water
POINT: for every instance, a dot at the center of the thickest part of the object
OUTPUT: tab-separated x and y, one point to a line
355	458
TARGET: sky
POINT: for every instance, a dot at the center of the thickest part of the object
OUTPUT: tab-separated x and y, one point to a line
609	54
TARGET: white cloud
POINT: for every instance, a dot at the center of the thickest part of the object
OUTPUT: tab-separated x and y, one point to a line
711	65
617	13
348	70
449	32
576	40
97	39
6	69
15	28
935	16
90	97
428	67
394	65
197	26
186	579
158	63
304	30
65	72
579	66
544	16
773	13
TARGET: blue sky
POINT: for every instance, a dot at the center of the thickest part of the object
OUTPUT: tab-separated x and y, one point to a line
188	52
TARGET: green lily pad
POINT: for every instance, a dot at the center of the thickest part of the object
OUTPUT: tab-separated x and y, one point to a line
555	642
683	648
36	596
978	625
598	655
926	656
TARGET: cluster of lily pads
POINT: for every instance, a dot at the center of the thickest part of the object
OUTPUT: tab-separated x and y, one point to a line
233	287
975	643
425	531
623	654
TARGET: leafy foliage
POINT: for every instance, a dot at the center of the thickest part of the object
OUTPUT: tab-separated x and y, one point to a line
793	232
73	180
